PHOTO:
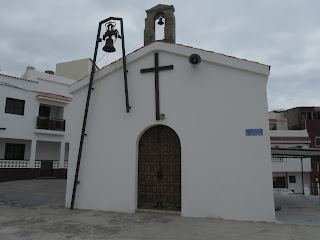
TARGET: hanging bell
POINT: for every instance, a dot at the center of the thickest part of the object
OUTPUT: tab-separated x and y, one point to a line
108	47
160	21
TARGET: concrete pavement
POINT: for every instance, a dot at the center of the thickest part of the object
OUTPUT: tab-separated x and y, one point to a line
32	210
28	223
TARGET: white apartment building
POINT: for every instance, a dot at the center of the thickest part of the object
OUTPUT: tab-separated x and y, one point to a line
290	173
34	121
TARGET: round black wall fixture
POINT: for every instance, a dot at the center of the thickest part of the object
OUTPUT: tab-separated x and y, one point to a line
195	59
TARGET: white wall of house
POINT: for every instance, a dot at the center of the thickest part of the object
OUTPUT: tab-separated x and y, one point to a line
292	165
42	144
75	70
48	150
224	172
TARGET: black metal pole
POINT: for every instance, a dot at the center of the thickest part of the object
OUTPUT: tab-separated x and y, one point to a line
93	70
124	68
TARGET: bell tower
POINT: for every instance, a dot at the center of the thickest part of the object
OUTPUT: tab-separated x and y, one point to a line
158	12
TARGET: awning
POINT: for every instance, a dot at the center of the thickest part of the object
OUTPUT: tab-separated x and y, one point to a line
295	152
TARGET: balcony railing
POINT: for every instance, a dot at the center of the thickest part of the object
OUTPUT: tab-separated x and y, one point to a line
25	164
300	126
50	123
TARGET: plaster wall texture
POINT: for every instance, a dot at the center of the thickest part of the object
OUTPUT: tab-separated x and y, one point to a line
292	165
75	70
48	150
209	106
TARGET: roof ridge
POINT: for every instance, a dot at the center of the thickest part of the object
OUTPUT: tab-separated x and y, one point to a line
178	44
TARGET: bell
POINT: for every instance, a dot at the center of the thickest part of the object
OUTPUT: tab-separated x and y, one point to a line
109	46
160	21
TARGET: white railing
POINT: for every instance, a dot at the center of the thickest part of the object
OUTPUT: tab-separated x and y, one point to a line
37	164
14	164
55	164
277	160
25	164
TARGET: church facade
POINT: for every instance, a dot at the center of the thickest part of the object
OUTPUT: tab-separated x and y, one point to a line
200	145
196	139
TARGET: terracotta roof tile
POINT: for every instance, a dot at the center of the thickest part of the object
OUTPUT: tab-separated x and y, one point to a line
273	120
18	78
53	96
290	139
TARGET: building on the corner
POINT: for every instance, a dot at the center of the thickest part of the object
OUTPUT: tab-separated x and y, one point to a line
34	121
308	118
202	147
291	173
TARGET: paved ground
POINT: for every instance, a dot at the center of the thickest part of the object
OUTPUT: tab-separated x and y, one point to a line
24	216
36	192
298	209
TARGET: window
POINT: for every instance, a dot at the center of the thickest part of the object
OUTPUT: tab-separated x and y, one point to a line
14	106
317	141
44	111
14	151
292	179
306	115
272	126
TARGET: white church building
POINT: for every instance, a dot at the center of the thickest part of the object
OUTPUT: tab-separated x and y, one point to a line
196	139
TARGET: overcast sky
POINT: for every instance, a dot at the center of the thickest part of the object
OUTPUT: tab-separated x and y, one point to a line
284	34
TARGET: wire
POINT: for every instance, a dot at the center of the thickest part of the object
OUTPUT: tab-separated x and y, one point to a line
102	57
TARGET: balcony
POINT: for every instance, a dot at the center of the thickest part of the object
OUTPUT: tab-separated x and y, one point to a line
300	126
52	124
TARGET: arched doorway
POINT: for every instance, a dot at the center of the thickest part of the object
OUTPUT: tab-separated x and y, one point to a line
159	169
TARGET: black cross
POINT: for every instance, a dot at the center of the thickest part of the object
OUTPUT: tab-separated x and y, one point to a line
156	70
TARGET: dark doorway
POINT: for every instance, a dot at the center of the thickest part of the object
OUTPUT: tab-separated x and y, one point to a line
46	169
279	182
159	171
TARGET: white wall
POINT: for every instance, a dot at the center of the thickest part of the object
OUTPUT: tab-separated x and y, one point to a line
292	165
48	150
76	70
24	126
224	172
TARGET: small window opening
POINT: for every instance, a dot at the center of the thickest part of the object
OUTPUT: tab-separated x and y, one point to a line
159	33
292	179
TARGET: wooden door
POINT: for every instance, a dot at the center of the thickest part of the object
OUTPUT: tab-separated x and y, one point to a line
159	170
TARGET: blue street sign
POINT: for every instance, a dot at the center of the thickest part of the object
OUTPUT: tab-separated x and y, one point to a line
254	132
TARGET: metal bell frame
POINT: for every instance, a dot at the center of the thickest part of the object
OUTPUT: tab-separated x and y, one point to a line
93	70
